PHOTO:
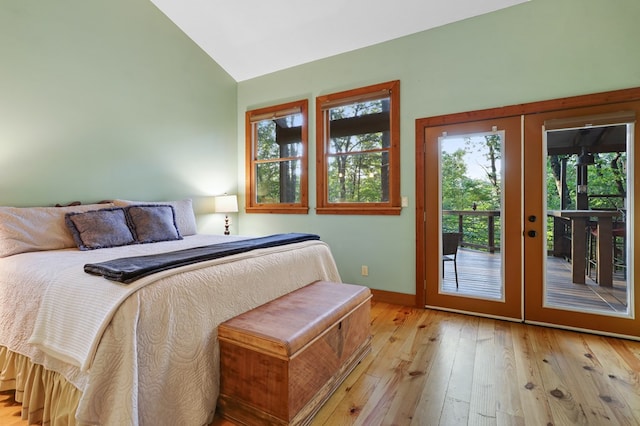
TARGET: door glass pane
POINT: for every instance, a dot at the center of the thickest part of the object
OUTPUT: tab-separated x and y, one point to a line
587	252
471	191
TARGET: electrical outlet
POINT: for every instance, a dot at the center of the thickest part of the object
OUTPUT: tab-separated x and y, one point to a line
365	271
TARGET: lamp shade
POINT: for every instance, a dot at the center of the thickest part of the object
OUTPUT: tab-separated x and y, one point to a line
225	204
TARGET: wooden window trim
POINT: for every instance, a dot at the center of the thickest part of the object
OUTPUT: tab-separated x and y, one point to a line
323	103
275	111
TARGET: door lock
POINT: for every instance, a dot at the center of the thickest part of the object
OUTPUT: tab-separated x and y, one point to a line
532	233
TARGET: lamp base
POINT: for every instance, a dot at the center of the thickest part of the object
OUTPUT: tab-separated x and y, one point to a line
226	225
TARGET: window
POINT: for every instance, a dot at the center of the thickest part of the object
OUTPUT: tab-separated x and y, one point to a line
358	151
276	159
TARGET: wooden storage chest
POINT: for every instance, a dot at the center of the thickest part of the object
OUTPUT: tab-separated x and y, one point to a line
281	361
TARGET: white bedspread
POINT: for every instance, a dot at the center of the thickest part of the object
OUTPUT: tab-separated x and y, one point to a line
70	291
157	359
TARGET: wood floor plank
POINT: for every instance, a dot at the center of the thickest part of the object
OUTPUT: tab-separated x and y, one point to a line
455	412
482	409
461	354
346	404
508	403
439	402
596	392
603	371
571	399
578	365
528	379
419	353
564	410
376	408
503	418
386	350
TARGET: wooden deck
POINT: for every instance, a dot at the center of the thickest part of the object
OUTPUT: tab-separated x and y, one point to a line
479	276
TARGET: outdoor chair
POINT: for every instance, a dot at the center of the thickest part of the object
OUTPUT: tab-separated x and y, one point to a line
450	242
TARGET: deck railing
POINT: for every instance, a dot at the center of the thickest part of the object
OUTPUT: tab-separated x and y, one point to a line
490	215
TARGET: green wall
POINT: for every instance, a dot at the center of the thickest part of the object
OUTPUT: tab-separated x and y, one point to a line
109	99
102	99
543	49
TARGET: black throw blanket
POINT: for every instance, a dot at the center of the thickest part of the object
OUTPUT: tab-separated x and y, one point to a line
129	269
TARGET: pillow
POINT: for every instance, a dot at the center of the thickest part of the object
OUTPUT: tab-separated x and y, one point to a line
100	228
152	223
185	218
26	229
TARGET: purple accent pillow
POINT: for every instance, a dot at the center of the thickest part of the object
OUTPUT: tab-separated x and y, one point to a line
153	223
99	228
185	217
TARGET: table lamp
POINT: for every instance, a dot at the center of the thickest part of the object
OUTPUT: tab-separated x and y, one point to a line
225	204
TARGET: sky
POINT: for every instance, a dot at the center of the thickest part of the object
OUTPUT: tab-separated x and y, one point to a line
474	160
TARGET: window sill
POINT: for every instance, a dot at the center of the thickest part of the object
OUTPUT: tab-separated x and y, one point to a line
353	210
278	210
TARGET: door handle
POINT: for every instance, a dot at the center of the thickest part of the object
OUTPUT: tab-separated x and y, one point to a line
532	233
532	218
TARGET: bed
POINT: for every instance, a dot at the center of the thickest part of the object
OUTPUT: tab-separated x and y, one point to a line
81	349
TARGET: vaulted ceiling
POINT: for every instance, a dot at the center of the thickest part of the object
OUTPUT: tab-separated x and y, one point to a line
250	38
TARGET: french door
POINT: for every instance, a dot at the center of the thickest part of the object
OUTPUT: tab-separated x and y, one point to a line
542	206
579	251
473	191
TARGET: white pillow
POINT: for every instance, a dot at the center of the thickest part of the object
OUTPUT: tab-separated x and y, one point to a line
185	218
25	229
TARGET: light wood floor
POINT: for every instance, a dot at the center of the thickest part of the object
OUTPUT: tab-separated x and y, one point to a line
438	368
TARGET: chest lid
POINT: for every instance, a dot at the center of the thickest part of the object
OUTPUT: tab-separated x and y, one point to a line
284	325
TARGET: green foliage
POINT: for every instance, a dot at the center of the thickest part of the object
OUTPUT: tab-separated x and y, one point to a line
358	164
606	188
607	182
461	192
463	189
278	170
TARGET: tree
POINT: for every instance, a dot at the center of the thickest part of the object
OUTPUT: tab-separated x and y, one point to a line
607	181
357	170
277	180
490	148
464	189
461	192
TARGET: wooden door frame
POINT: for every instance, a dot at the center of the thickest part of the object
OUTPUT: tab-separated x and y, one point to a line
422	124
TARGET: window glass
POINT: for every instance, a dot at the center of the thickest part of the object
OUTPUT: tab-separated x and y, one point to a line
358	138
277	159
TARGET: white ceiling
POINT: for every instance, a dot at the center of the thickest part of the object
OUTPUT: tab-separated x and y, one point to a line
249	38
